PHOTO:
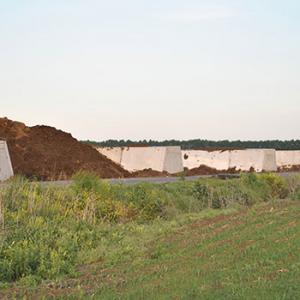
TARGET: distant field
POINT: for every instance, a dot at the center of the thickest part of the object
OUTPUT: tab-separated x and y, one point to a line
209	239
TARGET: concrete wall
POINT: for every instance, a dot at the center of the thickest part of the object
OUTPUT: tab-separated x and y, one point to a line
173	162
172	159
287	159
114	154
139	158
6	170
257	159
270	160
243	160
218	160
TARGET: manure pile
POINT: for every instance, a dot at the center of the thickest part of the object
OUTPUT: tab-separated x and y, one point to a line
46	153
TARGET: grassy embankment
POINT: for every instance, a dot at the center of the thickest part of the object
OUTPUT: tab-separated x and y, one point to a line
206	239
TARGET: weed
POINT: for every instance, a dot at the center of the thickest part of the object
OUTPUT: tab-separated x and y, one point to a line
49	231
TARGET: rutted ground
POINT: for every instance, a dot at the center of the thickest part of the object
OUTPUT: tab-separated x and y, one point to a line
244	254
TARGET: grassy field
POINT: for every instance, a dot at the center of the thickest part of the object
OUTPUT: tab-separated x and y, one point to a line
209	239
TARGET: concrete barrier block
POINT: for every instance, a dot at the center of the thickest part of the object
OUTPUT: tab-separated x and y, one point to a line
140	158
135	159
6	170
270	164
218	160
113	153
173	161
242	160
253	159
288	159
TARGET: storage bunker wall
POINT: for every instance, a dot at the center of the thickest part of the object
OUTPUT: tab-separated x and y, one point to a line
218	160
133	159
173	161
257	159
113	153
288	159
140	158
241	160
6	170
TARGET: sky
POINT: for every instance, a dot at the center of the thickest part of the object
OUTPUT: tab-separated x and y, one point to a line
159	69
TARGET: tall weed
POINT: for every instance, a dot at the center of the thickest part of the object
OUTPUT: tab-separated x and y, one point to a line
47	228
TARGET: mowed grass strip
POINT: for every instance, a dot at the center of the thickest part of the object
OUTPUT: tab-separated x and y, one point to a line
250	254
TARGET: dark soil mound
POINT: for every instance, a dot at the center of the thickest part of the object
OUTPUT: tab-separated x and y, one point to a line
294	168
205	170
149	173
50	154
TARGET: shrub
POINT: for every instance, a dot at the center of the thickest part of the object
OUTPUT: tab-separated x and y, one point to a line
202	193
278	185
37	249
89	182
48	228
293	182
147	200
296	194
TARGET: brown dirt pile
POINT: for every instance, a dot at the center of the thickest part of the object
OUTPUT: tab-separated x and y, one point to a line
294	168
205	170
46	153
149	173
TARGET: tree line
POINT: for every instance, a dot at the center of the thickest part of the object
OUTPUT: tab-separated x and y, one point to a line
203	144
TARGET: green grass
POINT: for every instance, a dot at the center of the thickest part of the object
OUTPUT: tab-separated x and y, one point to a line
208	239
252	255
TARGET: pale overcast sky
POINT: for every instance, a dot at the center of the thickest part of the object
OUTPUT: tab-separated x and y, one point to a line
214	69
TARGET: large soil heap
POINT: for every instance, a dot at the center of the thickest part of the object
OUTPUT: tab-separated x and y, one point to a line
49	154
